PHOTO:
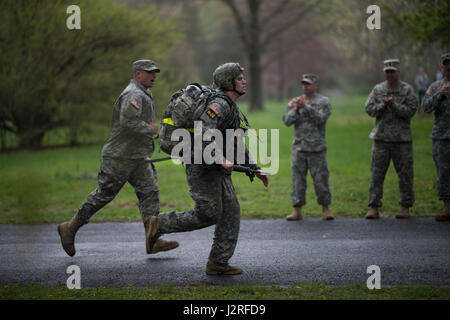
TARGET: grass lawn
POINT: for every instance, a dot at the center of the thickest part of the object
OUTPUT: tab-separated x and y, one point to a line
49	185
312	291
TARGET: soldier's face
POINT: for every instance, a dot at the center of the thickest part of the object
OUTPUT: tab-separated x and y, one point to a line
146	78
241	83
392	76
446	69
309	88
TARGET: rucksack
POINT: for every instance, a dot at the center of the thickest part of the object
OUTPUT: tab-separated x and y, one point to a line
185	106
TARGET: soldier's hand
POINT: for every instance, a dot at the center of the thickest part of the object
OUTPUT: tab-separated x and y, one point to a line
387	101
301	102
264	178
293	102
445	90
154	127
227	165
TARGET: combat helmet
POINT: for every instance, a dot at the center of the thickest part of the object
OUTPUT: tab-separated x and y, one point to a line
225	74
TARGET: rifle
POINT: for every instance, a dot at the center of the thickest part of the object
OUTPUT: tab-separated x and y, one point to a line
251	173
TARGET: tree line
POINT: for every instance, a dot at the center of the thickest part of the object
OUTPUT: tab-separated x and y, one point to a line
52	77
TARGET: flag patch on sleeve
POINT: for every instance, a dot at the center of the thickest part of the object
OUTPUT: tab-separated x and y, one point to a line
134	103
215	108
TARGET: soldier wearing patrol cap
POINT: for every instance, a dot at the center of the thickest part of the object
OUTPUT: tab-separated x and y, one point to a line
393	103
437	100
125	159
309	114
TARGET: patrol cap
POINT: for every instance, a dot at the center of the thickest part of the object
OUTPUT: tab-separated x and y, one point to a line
445	56
391	64
146	65
310	78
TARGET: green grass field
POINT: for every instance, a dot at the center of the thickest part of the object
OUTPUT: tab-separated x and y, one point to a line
312	291
49	185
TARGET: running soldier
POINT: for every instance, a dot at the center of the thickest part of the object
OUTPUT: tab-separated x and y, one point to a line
210	185
125	158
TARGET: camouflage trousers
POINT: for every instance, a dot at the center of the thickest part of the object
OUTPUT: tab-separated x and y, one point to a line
441	156
317	164
401	154
114	173
215	203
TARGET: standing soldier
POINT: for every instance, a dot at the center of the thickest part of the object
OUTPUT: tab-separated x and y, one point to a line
210	185
309	113
393	103
437	100
125	158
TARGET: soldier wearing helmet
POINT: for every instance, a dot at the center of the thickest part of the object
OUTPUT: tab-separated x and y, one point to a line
210	186
225	75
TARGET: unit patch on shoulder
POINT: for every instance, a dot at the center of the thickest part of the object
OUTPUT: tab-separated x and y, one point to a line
134	103
210	113
213	111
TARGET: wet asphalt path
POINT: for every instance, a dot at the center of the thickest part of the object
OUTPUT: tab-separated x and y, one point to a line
271	252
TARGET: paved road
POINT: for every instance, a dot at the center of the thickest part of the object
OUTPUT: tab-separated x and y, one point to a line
271	252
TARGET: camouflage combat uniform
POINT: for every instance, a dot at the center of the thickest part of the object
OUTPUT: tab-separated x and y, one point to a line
392	140
212	190
125	155
440	105
309	149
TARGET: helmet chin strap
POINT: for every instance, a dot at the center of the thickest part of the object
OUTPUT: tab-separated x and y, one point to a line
235	90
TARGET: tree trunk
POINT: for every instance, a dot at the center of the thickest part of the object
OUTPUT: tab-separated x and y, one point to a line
256	94
2	139
254	56
73	137
281	63
30	139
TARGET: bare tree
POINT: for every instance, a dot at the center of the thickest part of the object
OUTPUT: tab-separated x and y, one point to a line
258	25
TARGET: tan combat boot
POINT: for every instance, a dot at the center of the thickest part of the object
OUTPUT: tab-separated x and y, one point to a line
327	215
445	215
160	244
403	213
372	213
67	231
163	245
219	269
295	215
151	233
